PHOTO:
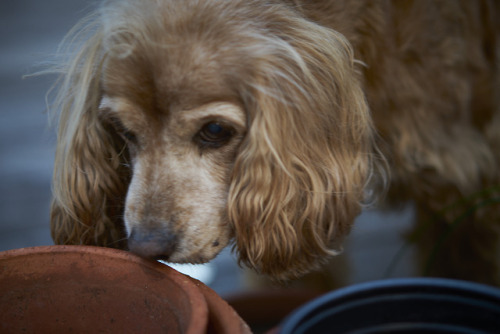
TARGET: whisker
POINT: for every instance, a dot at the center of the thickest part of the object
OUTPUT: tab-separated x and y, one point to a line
115	242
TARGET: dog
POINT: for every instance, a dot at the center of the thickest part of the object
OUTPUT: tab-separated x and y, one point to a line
185	126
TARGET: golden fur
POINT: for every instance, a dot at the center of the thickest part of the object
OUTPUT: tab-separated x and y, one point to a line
316	99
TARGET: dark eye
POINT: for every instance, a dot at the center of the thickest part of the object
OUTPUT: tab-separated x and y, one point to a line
125	133
129	136
214	134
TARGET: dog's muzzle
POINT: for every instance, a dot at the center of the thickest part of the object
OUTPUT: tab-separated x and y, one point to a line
152	244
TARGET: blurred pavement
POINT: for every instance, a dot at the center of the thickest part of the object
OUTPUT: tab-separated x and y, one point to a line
29	32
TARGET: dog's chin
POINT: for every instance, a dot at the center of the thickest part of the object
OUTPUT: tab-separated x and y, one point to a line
196	257
199	256
193	260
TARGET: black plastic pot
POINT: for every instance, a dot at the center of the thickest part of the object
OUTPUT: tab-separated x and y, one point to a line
415	305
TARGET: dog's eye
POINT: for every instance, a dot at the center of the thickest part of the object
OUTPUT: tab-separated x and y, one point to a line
214	134
129	136
126	134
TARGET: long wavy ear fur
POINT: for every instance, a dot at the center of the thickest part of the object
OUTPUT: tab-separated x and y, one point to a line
90	178
300	178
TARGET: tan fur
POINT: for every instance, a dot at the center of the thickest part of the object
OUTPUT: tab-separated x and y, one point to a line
303	86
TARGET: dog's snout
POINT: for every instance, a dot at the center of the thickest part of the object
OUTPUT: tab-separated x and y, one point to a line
152	244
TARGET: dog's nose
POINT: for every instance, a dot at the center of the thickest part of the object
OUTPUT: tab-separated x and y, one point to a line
152	244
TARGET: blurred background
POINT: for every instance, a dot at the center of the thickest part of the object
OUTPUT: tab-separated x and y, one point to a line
30	31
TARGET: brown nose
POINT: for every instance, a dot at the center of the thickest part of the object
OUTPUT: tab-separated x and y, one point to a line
158	244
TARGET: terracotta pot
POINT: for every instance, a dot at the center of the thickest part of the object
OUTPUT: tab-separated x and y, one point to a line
82	289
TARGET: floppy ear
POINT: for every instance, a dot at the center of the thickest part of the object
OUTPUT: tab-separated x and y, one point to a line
299	179
90	177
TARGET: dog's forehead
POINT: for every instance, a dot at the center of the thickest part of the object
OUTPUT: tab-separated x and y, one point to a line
222	109
180	59
226	110
159	81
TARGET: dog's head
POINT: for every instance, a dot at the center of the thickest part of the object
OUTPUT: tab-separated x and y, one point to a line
187	124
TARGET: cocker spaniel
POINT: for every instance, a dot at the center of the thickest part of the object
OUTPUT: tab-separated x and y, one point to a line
187	125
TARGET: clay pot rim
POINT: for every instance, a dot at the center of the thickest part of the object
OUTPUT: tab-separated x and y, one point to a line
198	304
